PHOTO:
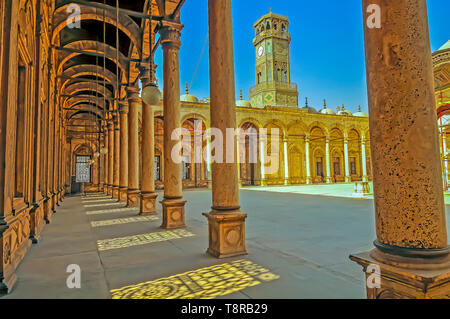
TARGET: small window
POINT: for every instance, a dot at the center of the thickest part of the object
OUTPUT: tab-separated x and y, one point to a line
83	172
157	168
337	166
353	165
268	25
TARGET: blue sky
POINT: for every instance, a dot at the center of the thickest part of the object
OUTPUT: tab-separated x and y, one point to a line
327	49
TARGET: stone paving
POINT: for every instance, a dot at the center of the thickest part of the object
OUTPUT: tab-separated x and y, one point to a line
298	247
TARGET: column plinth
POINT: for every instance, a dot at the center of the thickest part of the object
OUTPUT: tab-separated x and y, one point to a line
412	251
226	222
148	203
173	213
173	203
226	233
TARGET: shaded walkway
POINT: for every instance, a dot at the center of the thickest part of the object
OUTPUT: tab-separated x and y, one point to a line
296	250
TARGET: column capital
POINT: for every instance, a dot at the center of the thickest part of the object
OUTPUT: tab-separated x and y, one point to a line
133	94
170	33
123	107
144	73
346	140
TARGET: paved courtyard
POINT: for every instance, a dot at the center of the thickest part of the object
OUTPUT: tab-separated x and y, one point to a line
298	247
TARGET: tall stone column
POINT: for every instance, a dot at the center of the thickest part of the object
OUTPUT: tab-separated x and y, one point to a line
134	101
226	221
101	160
445	162
348	177
286	163
123	174
116	158
148	194
173	203
363	158
110	156
262	160
411	257
308	163
327	159
239	159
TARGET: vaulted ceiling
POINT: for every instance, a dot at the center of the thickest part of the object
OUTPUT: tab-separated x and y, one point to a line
97	60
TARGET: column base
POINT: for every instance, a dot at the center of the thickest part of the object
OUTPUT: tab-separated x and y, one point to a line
308	180
48	213
348	179
173	213
37	222
105	189
53	202
115	192
133	196
123	194
226	233
329	180
405	277
148	204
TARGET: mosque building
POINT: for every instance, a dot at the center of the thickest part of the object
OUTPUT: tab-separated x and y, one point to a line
316	141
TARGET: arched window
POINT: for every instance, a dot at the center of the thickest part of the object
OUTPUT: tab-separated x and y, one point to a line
283	28
268	25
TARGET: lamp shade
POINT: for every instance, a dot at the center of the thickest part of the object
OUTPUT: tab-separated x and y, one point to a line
151	95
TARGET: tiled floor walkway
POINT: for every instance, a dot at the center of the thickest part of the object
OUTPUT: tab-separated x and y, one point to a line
298	248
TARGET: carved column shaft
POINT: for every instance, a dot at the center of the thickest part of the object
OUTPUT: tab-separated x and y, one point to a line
308	164
116	158
148	194
226	221
348	177
411	244
111	157
123	187
173	203
134	102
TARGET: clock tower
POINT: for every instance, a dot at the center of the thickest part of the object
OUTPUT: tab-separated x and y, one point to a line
273	74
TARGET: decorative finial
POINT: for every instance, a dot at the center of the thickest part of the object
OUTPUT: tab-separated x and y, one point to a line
324	103
343	107
241	96
306	101
338	108
359	108
187	88
271	10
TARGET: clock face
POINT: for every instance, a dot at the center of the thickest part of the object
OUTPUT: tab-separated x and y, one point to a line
260	51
